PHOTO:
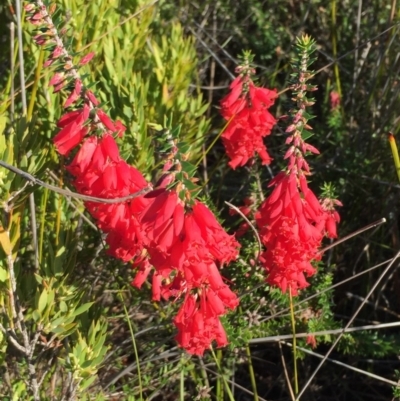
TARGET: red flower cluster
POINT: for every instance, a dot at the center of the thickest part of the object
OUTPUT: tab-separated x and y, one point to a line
184	243
99	171
287	223
292	222
249	121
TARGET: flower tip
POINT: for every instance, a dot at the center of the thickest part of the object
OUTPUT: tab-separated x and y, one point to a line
87	58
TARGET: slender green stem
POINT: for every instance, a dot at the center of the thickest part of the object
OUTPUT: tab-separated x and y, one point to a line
20	19
36	82
395	154
296	383
218	386
217	362
182	381
251	370
334	48
43	207
134	348
251	373
213	142
203	373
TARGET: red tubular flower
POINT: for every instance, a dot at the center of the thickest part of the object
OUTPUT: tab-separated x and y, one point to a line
106	120
292	223
233	102
57	79
222	246
127	244
189	242
331	217
311	340
198	322
195	252
287	258
246	109
143	268
83	158
162	220
334	98
102	171
73	130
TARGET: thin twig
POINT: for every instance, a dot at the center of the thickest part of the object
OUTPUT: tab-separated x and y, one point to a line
326	66
374	305
12	51
327	289
217	44
69	201
237	386
249	223
21	56
8	334
307	351
347	325
286	372
217	59
69	193
32	209
263	340
353	234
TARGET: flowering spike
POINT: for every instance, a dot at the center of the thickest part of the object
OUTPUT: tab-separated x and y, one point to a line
291	221
167	234
249	121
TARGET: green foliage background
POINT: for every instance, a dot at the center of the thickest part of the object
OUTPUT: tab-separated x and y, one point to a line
168	63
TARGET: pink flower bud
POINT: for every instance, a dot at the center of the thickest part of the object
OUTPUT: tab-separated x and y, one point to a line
289	152
291	128
87	58
29	8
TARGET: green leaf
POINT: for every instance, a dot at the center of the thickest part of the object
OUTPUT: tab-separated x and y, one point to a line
99	345
306	135
3	274
87	364
188	168
57	322
3	121
98	361
42	301
36	315
86	383
64	328
81	309
63	307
